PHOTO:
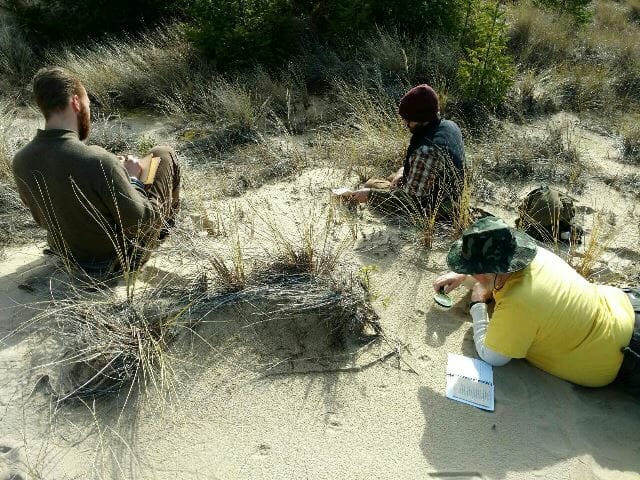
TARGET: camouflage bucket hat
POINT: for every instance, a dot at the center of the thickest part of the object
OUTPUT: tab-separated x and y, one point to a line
491	246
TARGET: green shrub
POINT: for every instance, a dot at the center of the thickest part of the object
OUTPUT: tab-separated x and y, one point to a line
73	20
344	21
487	71
634	10
240	32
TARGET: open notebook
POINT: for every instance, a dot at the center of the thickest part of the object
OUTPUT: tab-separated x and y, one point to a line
470	381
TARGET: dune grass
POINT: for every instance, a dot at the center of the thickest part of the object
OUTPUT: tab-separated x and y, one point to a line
128	72
551	155
17	60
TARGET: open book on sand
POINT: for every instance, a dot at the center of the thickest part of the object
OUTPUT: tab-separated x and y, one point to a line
470	381
149	166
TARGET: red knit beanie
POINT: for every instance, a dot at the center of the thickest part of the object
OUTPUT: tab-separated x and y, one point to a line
420	104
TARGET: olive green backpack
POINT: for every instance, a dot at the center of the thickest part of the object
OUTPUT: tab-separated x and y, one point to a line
548	215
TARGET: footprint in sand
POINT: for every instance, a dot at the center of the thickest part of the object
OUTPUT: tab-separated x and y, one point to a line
10	459
261	451
333	422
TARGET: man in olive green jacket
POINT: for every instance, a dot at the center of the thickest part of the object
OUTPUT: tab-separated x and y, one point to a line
98	214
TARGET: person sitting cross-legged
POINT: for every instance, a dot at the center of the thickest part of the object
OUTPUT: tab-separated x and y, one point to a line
544	310
99	216
432	177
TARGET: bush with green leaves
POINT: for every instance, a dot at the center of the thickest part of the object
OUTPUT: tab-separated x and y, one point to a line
486	72
241	32
75	20
344	21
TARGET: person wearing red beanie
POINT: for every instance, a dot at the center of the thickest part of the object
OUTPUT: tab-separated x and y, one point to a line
432	175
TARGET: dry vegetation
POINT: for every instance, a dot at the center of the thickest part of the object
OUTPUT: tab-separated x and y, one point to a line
237	132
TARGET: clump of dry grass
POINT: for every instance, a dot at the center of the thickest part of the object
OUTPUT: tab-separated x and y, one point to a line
532	93
109	344
114	135
598	241
373	140
553	156
17	59
132	72
592	67
631	144
540	38
16	224
246	167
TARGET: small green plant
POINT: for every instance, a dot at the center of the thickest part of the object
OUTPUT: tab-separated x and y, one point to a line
486	72
364	275
145	143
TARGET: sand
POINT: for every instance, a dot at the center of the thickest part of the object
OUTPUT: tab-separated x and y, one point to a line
237	412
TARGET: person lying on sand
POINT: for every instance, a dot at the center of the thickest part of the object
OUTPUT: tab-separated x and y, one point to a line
98	214
544	310
432	176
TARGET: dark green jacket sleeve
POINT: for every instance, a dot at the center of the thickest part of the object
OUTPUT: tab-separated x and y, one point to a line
130	208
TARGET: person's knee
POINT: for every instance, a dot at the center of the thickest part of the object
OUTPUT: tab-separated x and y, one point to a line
168	154
164	151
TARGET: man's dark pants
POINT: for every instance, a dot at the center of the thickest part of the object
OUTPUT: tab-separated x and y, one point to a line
629	374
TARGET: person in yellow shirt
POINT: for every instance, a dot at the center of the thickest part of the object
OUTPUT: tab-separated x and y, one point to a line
544	310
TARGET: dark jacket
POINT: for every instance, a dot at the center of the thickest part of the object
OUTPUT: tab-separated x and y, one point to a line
82	196
446	162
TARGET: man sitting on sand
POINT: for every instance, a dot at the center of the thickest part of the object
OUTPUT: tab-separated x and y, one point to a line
544	310
98	214
432	177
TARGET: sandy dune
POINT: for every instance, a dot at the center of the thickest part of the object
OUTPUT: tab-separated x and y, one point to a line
235	410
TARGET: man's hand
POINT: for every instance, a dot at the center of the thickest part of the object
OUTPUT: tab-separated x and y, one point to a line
132	165
481	293
396	177
450	281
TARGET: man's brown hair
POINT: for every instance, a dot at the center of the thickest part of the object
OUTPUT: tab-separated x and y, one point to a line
53	87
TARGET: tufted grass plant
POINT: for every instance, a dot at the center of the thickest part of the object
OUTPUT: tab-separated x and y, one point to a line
133	71
17	59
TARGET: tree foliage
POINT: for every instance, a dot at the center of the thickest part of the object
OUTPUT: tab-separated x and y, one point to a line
486	72
49	21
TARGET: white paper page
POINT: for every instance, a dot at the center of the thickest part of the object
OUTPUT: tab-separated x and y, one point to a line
470	392
469	367
470	381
